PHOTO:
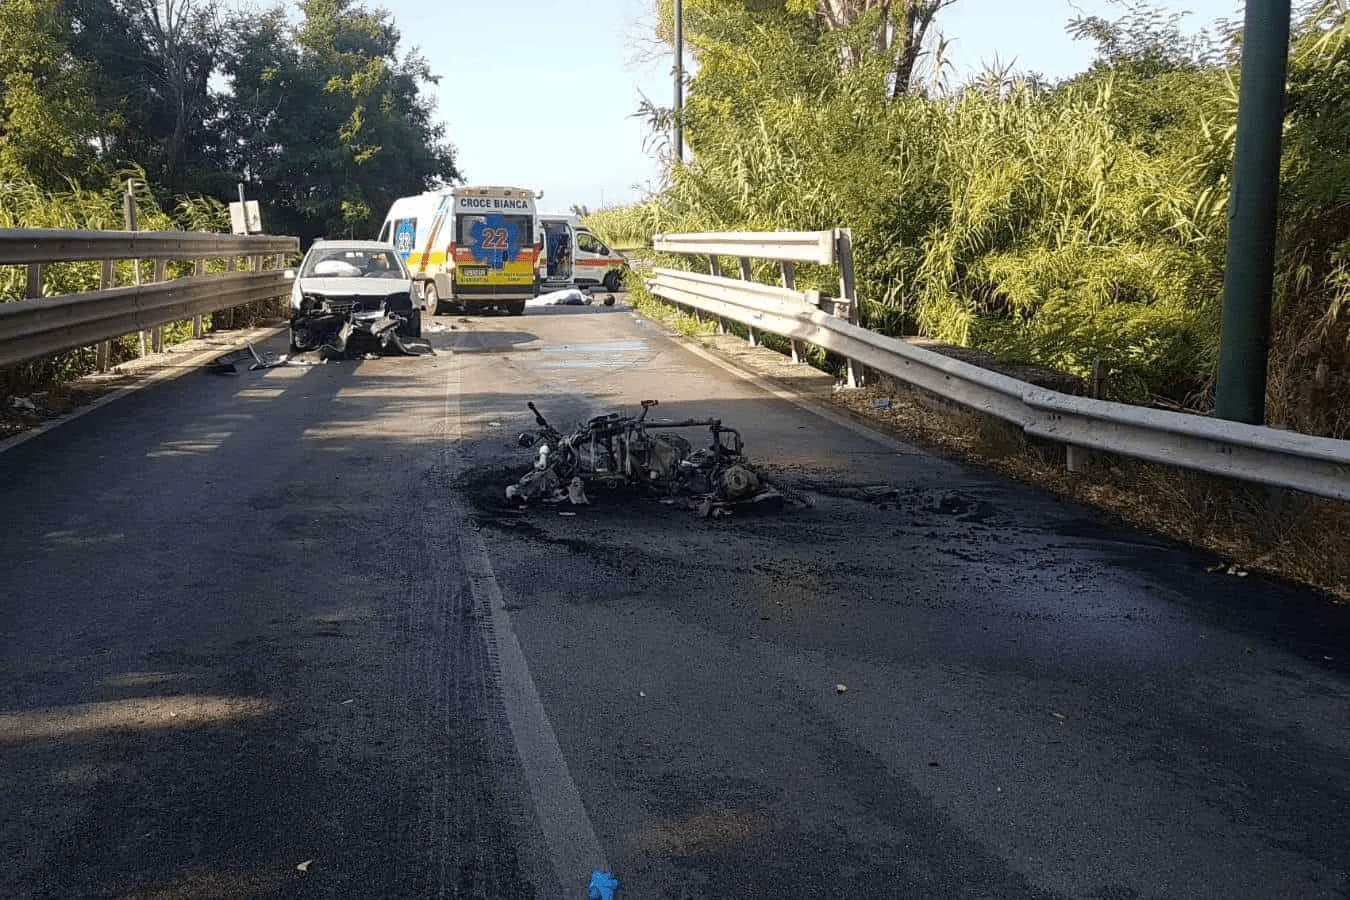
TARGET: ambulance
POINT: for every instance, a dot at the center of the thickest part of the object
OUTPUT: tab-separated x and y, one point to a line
576	257
470	248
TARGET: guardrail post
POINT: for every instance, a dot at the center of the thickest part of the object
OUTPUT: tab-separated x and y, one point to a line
33	290
198	268
751	335
106	279
843	242
790	282
225	319
136	280
1079	459
157	333
715	269
1076	459
257	263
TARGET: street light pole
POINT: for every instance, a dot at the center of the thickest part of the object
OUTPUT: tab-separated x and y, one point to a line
679	81
1249	274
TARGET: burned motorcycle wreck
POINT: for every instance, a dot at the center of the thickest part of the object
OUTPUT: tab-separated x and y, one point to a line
614	451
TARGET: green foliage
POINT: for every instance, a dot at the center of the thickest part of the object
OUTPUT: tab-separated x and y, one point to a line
1055	224
624	226
29	206
328	118
324	118
151	65
47	118
1141	310
1315	191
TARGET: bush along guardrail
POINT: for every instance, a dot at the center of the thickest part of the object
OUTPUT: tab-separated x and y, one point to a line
1315	465
38	326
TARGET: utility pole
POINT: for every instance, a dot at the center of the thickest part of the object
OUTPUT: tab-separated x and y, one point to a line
679	81
1249	274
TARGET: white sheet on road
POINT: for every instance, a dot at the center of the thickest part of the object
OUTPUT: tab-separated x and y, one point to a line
569	297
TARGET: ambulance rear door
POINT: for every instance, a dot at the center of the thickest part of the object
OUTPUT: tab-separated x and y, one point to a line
558	247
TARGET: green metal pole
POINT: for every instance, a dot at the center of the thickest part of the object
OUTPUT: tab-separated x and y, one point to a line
1252	203
679	81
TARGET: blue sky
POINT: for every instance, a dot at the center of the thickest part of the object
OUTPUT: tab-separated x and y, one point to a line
543	94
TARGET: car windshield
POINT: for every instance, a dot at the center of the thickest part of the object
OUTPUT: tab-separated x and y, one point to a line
347	262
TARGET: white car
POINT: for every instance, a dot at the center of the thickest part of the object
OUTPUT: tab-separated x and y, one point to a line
353	290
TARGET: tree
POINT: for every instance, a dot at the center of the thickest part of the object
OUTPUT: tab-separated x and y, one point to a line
328	120
152	62
48	120
183	42
895	29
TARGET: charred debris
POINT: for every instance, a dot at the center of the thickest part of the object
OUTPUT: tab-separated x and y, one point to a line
649	458
331	325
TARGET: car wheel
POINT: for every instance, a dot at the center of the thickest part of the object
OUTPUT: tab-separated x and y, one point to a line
303	340
613	281
430	300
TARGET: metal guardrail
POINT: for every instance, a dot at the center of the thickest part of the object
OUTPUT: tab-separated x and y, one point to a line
21	246
1315	465
791	246
787	248
38	326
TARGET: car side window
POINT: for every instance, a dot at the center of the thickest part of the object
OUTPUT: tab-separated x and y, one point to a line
591	244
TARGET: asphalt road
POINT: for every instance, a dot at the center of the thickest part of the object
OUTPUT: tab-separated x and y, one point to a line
277	634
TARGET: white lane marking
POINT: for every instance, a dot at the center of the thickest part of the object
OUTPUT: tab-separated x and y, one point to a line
573	847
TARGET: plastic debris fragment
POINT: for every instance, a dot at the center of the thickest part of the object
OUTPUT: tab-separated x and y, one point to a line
603	886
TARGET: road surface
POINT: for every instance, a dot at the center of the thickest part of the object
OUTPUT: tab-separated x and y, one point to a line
277	634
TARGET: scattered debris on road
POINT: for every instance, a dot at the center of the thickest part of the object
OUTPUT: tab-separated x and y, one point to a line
227	364
616	451
603	885
330	326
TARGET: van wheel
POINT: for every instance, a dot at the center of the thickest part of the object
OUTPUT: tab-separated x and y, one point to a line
430	302
613	281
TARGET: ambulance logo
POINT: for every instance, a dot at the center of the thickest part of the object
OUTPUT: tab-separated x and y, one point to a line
496	242
405	236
